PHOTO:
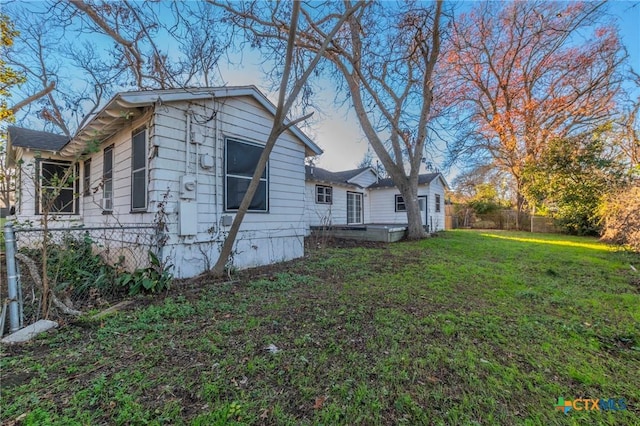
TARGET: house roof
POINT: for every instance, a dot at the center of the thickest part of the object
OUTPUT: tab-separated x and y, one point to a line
126	105
345	177
321	175
422	180
34	139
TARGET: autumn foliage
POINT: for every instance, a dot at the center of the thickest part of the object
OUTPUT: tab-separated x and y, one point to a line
523	73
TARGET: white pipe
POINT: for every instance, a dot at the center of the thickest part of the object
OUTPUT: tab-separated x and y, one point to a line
187	140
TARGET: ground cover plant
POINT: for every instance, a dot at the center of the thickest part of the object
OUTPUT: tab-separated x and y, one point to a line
464	328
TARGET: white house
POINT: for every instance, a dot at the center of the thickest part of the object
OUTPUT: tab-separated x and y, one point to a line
189	153
358	197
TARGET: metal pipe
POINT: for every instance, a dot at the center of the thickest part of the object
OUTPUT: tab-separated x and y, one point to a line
12	275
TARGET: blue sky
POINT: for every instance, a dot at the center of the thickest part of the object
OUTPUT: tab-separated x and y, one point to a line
336	129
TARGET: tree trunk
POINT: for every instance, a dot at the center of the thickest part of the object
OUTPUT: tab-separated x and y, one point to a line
415	228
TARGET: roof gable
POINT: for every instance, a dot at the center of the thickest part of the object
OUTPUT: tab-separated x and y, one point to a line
127	105
313	173
36	140
423	179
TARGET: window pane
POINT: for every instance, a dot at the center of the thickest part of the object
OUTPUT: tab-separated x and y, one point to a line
53	173
86	184
138	195
63	202
237	187
138	148
242	158
107	167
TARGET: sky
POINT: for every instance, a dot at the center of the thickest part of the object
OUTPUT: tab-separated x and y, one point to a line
336	129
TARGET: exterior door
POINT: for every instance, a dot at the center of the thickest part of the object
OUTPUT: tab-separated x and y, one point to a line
422	202
354	208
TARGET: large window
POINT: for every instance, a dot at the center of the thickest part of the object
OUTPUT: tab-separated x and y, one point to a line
354	208
86	178
241	159
437	203
324	194
400	205
139	171
57	187
107	179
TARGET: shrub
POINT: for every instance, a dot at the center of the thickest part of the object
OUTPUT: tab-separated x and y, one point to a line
621	217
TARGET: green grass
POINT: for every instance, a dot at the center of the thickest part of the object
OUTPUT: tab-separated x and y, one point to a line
464	328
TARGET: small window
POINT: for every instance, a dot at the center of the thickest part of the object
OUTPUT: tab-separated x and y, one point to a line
86	178
400	205
241	159
437	203
107	179
324	194
139	171
57	187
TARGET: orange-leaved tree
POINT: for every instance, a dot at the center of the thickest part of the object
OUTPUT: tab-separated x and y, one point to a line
524	73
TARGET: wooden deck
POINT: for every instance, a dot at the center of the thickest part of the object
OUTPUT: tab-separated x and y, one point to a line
370	232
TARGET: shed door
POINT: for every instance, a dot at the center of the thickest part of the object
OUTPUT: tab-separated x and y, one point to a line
422	202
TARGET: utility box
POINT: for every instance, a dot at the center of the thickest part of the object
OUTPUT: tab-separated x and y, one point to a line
188	187
227	220
187	218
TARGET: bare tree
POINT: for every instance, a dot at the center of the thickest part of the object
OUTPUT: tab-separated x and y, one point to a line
521	76
384	59
296	71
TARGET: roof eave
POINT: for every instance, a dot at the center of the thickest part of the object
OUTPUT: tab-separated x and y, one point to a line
125	106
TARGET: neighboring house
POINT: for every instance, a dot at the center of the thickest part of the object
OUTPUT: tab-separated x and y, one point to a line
187	152
356	197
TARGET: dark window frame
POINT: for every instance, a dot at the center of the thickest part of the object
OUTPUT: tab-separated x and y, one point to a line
73	187
244	178
137	171
324	192
400	201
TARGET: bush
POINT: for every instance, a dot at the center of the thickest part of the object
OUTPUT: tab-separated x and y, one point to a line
621	218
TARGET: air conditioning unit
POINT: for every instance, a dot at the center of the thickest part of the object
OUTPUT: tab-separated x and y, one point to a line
107	204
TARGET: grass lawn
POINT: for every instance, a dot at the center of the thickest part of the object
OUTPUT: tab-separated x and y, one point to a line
465	328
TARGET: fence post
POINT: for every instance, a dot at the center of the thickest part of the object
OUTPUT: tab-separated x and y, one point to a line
12	276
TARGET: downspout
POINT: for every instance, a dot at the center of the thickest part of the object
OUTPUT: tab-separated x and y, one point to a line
216	126
189	115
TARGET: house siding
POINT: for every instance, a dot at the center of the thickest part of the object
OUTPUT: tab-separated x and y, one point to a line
364	179
378	203
264	238
383	205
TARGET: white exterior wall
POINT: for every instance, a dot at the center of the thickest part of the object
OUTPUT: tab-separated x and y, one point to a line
92	212
328	214
436	219
383	205
364	179
26	194
264	238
